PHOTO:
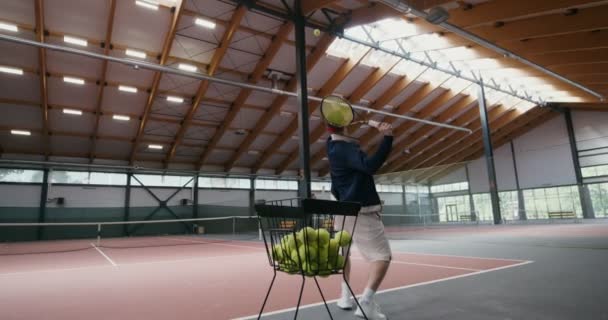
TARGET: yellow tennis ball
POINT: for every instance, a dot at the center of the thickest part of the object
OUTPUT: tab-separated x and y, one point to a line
317	32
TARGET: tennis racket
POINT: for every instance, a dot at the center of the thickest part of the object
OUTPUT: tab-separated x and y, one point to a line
339	113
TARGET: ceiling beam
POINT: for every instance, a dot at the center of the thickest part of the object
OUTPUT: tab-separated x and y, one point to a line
561	43
104	70
506	10
431	143
328	88
278	102
499	117
216	59
244	94
309	6
168	43
362	89
508	133
40	35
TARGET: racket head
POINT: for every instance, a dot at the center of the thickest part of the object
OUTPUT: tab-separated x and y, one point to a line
337	111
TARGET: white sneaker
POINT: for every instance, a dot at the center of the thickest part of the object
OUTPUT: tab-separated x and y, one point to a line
371	309
345	303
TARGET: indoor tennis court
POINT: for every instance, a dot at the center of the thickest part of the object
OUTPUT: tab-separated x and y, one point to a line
234	159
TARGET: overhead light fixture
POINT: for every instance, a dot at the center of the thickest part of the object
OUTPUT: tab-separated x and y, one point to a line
127	89
9	27
294	138
76	41
314	118
325	159
21	132
286	114
72	111
205	23
388	107
155	146
121	118
175	99
437	15
73	80
187	67
253	152
136	53
148	4
11	70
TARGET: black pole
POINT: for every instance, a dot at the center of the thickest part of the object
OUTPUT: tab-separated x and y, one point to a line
44	194
195	198
471	200
127	215
252	198
489	153
521	205
583	191
303	130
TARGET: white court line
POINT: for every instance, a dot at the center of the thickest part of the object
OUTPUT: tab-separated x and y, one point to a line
391	289
455	256
425	265
104	255
122	265
219	244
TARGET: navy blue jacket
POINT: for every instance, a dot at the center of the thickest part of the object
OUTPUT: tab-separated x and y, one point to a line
352	170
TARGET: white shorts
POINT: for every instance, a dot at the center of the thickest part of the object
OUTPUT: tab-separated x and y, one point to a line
369	236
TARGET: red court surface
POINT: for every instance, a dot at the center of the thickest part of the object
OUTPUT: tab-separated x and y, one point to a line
182	278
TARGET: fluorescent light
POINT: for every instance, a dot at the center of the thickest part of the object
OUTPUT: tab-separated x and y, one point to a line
187	67
286	114
294	137
314	118
153	5
205	23
136	53
73	80
155	146
8	27
325	159
127	89
253	152
76	41
11	70
121	118
21	132
175	99
72	111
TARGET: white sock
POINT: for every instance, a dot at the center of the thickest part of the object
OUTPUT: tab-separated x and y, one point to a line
368	295
345	292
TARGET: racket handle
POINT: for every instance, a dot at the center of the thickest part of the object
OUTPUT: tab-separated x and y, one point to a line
373	123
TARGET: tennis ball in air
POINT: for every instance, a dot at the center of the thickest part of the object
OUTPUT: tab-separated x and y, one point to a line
308	253
323	236
343	238
317	32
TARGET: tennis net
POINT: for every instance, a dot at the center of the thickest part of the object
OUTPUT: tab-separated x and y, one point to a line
74	236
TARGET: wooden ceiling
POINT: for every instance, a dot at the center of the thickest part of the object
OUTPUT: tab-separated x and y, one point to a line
569	37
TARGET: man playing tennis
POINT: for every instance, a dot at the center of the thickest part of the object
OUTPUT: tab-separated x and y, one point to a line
352	180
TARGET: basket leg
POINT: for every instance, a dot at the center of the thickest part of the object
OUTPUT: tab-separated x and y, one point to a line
323	297
354	296
300	297
267	295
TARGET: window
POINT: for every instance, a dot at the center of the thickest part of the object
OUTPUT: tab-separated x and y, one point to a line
595	171
453	209
320	186
276	184
149	180
18	175
224	183
599	199
452	187
83	177
389	188
540	202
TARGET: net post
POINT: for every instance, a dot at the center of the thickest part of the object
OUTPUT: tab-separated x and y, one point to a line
233	227
98	234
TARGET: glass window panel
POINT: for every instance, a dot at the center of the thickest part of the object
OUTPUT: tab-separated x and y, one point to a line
108	178
72	177
18	175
